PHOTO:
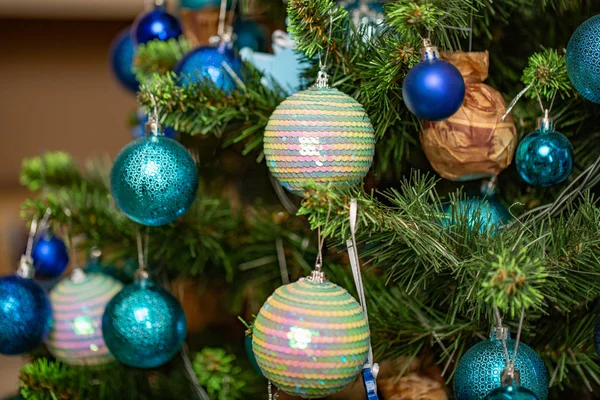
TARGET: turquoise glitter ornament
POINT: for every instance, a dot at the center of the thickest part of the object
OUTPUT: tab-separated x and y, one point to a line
479	370
583	59
154	180
511	392
482	213
544	157
144	325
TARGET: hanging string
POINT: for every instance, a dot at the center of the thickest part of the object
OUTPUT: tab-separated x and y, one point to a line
142	248
285	275
510	364
323	65
272	396
222	15
185	355
514	102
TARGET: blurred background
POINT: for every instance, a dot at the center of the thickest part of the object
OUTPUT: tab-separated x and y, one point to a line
57	93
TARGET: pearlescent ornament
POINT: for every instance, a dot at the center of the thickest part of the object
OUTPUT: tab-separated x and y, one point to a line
511	392
78	303
122	53
583	59
433	89
155	24
484	214
144	325
320	135
311	339
479	370
25	315
50	256
216	64
154	180
544	157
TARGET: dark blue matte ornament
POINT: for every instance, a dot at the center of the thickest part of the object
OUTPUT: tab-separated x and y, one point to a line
122	52
250	34
480	369
484	213
583	59
144	325
155	24
433	89
25	315
50	257
154	180
544	157
597	336
207	63
511	392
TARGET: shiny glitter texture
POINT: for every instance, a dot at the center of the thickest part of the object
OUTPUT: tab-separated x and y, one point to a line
321	135
511	392
311	339
50	257
207	63
144	325
154	180
479	370
77	308
583	59
25	315
485	214
597	336
121	60
544	158
155	24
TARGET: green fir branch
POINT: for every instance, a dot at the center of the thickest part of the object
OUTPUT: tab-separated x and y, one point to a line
158	57
547	71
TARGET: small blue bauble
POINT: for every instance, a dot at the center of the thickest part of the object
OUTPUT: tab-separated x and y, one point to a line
50	257
597	336
583	59
122	53
154	180
511	392
433	90
479	370
206	63
144	325
25	315
486	214
544	157
155	24
250	34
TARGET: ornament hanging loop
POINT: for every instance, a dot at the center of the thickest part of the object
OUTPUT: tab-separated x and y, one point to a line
322	80
153	126
545	123
26	269
428	51
141	275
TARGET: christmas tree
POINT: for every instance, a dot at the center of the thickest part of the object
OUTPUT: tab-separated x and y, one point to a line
465	223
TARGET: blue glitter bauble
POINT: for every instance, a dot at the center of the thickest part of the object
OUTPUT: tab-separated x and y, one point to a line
433	90
250	34
155	24
122	52
154	180
25	315
597	336
583	59
544	158
486	214
479	370
511	392
144	325
206	63
50	257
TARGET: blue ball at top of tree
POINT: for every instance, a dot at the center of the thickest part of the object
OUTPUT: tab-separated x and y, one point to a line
583	59
122	53
216	64
155	24
434	89
50	257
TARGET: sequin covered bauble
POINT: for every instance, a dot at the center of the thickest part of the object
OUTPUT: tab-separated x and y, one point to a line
479	370
544	157
155	24
154	180
511	392
597	336
583	59
217	64
122	52
144	325
50	257
311	339
78	303
485	214
320	135
25	315
250	354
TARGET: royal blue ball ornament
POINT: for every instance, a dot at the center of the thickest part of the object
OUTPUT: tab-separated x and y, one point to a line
155	24
50	256
511	392
544	157
154	180
583	59
207	63
144	325
434	89
122	53
479	371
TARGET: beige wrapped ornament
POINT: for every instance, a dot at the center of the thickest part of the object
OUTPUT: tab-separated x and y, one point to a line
474	143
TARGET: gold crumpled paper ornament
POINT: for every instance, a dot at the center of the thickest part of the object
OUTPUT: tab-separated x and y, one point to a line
474	143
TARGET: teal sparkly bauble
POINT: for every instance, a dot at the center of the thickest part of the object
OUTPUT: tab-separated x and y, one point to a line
511	392
154	180
483	213
583	59
144	325
479	370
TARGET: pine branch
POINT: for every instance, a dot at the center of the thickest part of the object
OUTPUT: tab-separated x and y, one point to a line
548	72
159	57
